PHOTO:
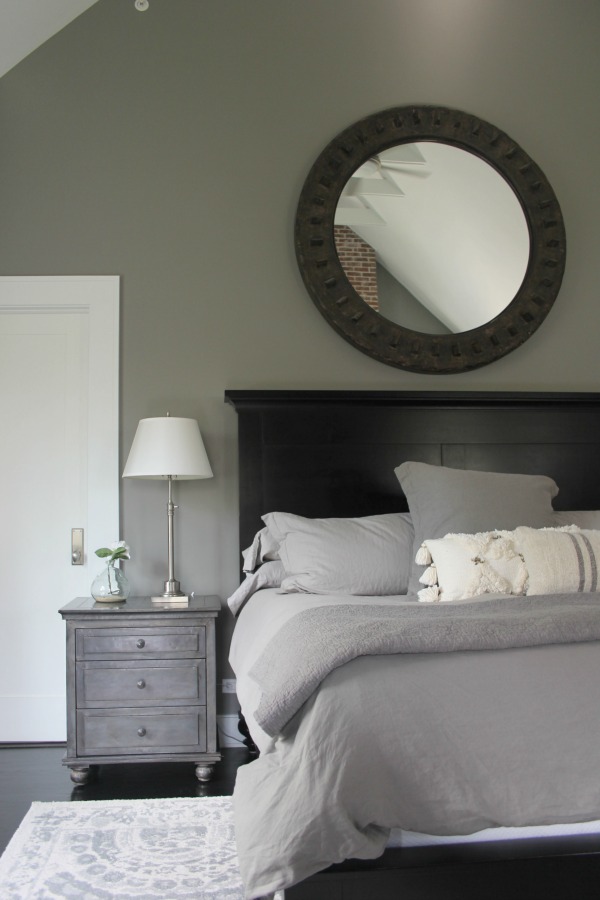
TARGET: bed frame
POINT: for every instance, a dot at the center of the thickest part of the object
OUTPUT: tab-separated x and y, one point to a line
333	453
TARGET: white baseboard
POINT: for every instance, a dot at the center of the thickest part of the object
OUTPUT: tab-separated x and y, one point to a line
229	735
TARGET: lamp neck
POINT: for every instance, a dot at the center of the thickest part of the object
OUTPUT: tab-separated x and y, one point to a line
171	585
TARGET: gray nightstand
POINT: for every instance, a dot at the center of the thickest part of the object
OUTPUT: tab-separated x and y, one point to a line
141	684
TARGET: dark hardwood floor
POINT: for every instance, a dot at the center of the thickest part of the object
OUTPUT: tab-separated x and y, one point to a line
29	773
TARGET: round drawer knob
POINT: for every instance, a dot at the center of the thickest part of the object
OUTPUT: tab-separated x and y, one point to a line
141	683
141	643
141	732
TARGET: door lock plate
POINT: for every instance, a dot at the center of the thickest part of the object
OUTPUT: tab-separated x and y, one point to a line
76	546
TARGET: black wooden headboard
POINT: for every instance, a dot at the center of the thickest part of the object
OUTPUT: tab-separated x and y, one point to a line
333	453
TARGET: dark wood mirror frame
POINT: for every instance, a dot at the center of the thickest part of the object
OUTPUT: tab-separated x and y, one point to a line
365	328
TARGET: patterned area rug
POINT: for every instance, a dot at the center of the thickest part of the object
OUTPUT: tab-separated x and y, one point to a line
177	849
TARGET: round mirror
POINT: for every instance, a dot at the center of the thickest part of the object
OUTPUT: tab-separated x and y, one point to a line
430	240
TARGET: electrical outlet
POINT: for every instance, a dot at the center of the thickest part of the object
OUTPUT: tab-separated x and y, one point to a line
228	685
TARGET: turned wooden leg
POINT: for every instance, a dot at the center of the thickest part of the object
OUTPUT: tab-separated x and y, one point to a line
81	774
204	772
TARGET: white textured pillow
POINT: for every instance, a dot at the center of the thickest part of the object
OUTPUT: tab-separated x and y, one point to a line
561	560
468	565
370	555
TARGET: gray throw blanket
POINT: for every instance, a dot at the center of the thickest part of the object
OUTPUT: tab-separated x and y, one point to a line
316	641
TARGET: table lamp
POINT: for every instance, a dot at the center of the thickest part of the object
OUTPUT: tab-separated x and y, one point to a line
169	448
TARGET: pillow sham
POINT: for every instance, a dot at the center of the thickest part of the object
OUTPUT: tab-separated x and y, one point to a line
263	547
444	501
560	561
269	575
469	565
368	555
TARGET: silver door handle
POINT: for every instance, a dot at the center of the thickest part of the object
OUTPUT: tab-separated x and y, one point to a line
76	546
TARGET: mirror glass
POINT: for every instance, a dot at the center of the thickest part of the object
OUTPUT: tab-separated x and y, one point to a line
432	237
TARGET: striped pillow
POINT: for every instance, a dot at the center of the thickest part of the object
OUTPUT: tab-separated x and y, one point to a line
560	561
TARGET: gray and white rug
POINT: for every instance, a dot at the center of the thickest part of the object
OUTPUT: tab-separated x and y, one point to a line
175	849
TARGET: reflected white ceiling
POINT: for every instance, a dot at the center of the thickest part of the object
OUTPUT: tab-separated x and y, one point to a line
27	24
445	225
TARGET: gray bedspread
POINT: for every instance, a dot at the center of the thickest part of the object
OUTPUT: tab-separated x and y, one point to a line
318	640
439	739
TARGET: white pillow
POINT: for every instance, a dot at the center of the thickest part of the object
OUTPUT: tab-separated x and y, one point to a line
469	565
370	555
561	560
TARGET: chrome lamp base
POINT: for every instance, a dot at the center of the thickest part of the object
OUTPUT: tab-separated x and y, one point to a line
172	594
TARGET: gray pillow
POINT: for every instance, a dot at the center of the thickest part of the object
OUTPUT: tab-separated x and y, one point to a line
263	548
583	518
461	501
367	555
269	575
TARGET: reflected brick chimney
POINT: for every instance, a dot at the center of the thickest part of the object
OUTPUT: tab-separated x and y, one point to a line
358	261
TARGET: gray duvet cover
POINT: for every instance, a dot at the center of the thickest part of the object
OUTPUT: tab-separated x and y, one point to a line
439	739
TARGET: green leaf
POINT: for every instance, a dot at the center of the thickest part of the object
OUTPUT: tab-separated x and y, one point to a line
103	551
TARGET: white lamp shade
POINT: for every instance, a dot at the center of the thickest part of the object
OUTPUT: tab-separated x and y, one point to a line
167	446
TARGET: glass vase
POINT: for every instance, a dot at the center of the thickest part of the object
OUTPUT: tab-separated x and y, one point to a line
110	585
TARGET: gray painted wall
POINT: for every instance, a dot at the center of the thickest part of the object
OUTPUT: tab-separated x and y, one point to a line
169	147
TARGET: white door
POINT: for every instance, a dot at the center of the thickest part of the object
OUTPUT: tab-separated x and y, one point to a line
59	343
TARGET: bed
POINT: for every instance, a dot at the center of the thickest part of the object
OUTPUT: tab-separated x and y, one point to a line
335	773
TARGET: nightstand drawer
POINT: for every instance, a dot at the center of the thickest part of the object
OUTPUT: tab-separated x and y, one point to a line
115	643
147	683
130	731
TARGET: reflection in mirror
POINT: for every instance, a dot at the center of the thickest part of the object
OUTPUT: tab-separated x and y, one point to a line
432	237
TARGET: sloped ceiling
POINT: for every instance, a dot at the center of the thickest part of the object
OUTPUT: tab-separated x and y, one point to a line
27	24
